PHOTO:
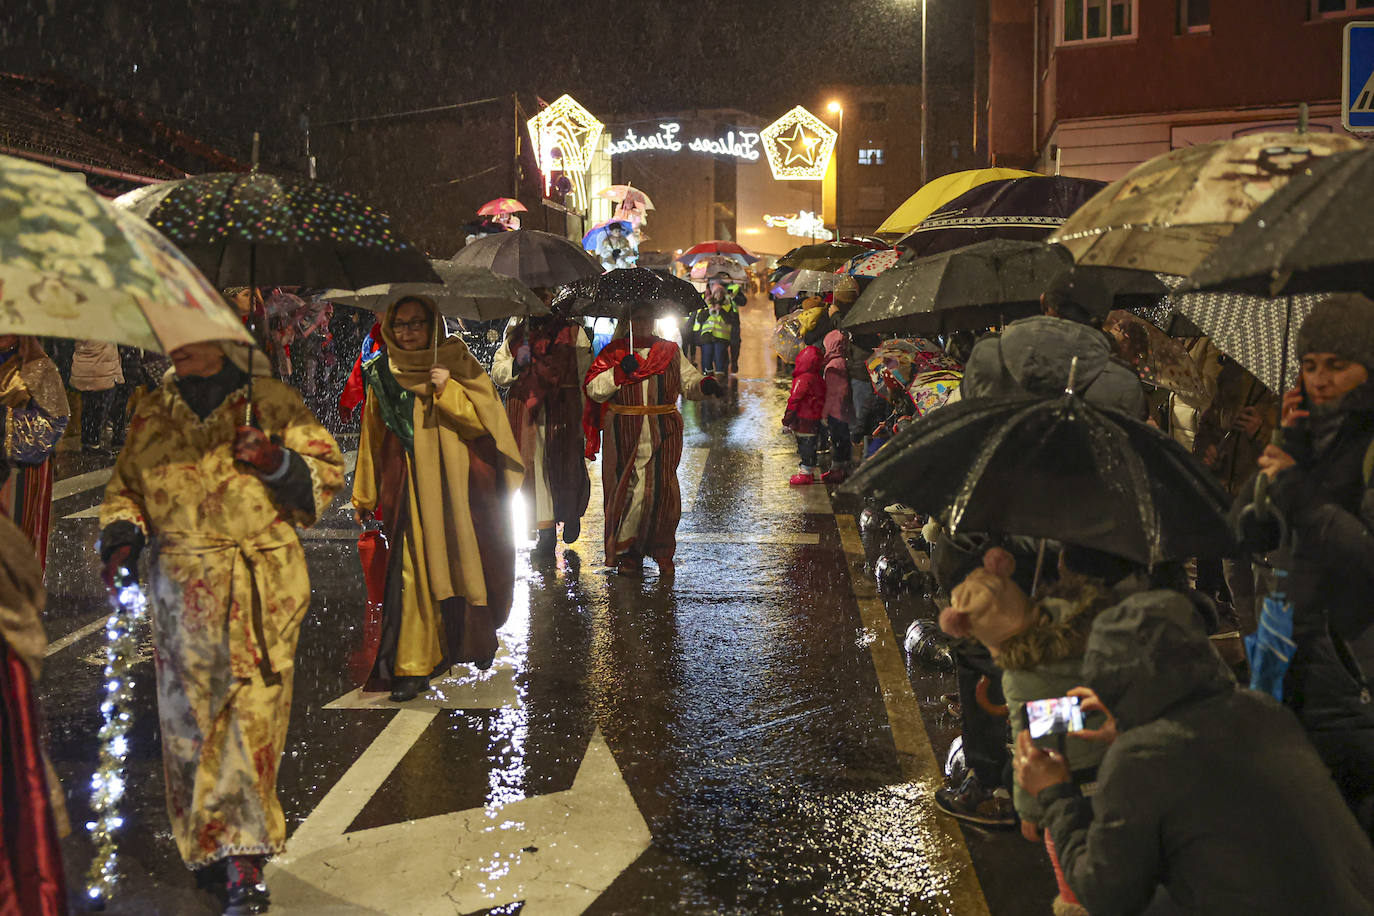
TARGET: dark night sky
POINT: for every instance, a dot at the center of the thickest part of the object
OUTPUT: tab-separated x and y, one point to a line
227	67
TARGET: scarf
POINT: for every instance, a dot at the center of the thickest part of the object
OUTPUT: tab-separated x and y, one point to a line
204	393
661	355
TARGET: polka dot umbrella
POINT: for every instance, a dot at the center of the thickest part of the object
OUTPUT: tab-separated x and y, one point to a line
254	229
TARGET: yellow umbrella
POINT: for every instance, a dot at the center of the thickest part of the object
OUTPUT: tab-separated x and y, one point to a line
937	192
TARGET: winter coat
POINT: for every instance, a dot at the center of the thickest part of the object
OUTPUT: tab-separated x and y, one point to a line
1047	661
806	403
96	366
1210	790
1033	355
839	400
1329	507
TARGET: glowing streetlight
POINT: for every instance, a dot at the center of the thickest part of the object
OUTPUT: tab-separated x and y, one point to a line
835	107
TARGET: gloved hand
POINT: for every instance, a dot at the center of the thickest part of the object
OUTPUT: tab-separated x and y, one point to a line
253	448
711	388
120	558
629	364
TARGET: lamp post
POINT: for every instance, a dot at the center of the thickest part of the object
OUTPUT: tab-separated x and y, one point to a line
835	108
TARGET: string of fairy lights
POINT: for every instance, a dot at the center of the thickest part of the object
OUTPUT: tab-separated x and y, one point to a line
108	782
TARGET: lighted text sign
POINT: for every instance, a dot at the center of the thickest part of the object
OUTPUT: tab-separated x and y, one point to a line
743	145
805	225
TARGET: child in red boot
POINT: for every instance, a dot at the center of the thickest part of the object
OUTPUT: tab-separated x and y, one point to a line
805	405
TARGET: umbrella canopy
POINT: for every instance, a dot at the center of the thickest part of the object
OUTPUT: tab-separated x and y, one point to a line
501	206
1258	332
787	337
474	293
249	229
631	198
820	256
592	240
714	265
973	287
869	263
536	259
1315	234
813	281
781	284
1169	213
717	247
937	192
1054	468
865	241
1027	209
612	294
73	266
905	358
1159	360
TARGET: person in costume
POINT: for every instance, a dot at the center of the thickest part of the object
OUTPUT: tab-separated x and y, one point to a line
639	389
616	249
31	805
33	417
543	361
437	462
216	495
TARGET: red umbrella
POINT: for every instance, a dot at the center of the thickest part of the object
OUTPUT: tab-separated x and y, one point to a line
720	247
501	206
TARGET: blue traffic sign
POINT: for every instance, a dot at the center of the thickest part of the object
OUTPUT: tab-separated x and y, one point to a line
1357	76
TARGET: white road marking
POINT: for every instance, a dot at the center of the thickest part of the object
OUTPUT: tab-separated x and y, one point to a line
463	688
75	636
80	483
782	538
557	853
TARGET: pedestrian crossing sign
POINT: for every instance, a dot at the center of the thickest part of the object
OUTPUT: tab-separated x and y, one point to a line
1357	77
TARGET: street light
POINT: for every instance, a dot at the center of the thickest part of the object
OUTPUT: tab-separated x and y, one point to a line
835	108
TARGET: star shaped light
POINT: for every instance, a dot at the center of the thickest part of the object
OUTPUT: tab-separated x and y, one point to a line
565	136
798	146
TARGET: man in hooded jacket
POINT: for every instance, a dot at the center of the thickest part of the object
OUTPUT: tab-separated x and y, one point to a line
1034	355
1209	791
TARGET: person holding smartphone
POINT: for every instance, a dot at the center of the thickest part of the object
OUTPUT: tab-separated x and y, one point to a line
1319	482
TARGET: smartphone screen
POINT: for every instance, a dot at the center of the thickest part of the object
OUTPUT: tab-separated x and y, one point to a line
1055	716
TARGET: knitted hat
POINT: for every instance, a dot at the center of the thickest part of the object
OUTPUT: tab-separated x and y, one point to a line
1342	324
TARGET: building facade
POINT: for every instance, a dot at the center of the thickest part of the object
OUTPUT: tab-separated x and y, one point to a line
1091	88
877	155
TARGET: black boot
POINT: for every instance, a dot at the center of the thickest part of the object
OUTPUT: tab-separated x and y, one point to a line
543	545
405	689
571	530
246	894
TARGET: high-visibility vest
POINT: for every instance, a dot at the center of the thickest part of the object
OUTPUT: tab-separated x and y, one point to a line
712	325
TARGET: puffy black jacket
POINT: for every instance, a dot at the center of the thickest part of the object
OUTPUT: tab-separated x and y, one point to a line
1033	356
1210	790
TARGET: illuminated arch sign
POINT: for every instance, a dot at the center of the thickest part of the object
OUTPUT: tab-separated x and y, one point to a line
743	145
565	135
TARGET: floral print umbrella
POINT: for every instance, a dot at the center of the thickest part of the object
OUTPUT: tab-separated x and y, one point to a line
73	266
870	263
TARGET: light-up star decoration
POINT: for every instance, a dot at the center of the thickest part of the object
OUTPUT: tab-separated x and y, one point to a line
565	136
798	146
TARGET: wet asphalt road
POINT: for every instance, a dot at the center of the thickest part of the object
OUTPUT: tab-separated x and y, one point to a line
738	740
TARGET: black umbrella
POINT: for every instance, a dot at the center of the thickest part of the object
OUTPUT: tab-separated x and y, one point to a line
1054	468
820	256
251	229
973	287
534	258
612	294
1023	209
1314	235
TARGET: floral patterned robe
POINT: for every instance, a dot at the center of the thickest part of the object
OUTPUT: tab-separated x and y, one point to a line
33	416
228	590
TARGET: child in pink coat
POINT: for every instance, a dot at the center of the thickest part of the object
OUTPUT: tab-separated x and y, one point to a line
839	405
805	407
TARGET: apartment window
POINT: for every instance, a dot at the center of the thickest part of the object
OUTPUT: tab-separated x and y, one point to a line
1194	16
1324	8
1097	20
870	157
872	111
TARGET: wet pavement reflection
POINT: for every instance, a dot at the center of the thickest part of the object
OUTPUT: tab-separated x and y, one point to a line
715	743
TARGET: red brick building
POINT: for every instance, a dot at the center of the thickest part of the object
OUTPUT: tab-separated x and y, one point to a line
1093	87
